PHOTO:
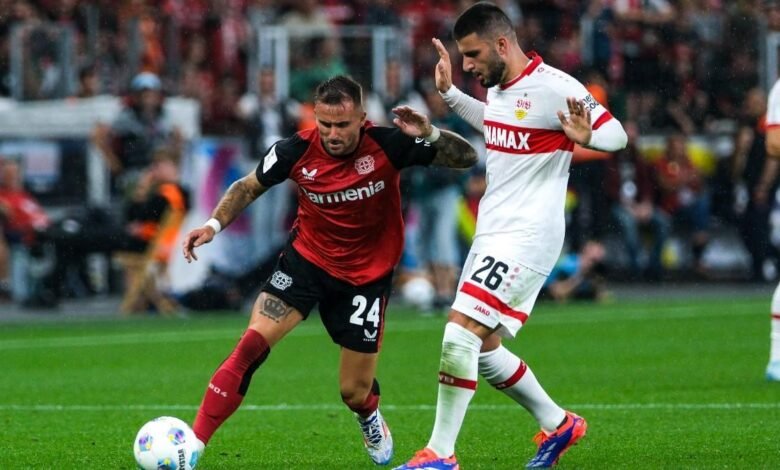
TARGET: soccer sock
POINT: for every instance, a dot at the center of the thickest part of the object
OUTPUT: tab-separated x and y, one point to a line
370	404
229	384
457	384
774	336
774	351
508	373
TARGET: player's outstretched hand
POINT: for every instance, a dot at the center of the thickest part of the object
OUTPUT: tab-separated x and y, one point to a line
443	71
577	126
411	122
197	237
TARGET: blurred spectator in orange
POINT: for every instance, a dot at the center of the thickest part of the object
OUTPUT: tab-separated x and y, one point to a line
683	194
630	188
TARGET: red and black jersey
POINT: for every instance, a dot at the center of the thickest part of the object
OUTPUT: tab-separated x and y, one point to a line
349	208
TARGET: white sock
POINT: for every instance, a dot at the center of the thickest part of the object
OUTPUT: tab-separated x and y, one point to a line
457	384
508	373
774	336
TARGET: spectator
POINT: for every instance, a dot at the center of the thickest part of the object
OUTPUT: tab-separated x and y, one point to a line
629	186
89	82
397	92
684	196
266	116
577	275
750	172
141	127
221	116
22	219
155	194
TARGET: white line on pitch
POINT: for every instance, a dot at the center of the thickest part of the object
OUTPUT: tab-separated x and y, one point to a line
390	407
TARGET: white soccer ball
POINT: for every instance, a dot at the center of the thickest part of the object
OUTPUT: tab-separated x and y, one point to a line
166	443
419	293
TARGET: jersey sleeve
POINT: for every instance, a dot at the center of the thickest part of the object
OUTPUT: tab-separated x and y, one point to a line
566	87
403	150
277	162
773	106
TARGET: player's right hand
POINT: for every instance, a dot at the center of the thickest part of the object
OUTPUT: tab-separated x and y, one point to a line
443	71
197	237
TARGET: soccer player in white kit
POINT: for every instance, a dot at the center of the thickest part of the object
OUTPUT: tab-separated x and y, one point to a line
533	116
768	177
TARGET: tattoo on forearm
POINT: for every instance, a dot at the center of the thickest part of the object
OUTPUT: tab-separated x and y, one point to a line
275	309
238	196
454	151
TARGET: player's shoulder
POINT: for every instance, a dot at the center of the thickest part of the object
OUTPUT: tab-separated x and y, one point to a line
297	144
381	134
555	80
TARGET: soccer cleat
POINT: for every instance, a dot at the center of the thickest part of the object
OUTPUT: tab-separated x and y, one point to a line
377	438
427	459
773	371
552	447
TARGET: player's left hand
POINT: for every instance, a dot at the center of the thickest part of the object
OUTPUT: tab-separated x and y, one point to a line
577	125
411	122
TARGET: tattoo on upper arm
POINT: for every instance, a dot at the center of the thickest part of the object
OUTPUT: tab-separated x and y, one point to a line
454	151
275	308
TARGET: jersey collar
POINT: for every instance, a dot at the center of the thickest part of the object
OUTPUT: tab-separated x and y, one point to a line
536	59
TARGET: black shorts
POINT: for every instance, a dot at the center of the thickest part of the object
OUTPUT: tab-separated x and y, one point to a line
354	316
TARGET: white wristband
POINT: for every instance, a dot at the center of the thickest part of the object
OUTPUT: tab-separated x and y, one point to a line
434	135
214	223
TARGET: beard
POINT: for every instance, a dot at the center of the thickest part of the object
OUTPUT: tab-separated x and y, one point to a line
495	71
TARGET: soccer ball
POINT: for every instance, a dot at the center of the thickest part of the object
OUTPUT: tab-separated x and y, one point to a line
166	443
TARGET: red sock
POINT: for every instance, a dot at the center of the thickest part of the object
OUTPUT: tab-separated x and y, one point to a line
370	404
229	384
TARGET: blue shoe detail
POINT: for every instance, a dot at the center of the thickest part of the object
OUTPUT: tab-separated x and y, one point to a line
552	447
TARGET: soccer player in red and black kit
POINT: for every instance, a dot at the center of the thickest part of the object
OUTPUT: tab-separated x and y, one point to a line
345	242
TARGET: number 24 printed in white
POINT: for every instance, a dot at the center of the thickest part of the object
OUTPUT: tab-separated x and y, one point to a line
373	313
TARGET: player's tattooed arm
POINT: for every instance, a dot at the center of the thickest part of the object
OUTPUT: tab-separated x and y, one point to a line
238	196
454	151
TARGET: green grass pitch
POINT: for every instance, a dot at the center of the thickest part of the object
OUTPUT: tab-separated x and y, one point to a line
663	384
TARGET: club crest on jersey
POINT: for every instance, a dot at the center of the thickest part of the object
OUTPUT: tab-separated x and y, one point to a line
281	280
309	175
364	165
522	106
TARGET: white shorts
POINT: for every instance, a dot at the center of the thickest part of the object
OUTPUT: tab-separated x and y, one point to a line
497	291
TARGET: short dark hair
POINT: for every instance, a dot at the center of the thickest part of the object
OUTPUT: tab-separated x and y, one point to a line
485	19
337	89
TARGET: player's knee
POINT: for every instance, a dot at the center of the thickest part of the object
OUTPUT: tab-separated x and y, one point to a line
458	346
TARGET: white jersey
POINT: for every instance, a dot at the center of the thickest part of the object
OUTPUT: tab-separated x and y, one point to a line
528	157
773	106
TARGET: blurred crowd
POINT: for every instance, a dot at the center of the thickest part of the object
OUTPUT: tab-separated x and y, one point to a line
676	69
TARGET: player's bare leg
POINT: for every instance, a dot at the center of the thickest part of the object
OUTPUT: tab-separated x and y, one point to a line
271	320
360	392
